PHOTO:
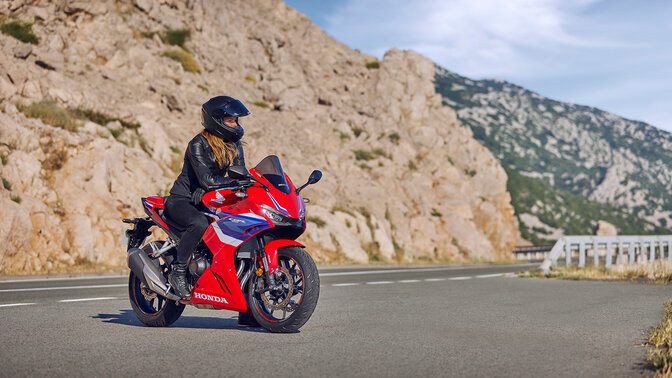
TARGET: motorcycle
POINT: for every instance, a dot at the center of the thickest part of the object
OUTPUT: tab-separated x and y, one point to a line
247	260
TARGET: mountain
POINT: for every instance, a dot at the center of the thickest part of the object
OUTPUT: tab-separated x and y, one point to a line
99	99
569	165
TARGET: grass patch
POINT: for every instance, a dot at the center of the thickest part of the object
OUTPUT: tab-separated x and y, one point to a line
50	113
435	213
342	210
398	251
250	78
176	37
21	30
373	251
357	131
6	184
450	160
102	118
174	149
317	220
659	272
260	104
341	135
203	88
183	57
381	152
116	133
365	166
16	199
394	138
363	155
373	65
3	158
659	356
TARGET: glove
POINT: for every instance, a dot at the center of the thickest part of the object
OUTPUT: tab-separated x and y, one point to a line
197	196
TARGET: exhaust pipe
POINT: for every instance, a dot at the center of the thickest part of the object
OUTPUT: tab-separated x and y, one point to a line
149	272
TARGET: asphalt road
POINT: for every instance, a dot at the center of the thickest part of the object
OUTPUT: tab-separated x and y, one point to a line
438	321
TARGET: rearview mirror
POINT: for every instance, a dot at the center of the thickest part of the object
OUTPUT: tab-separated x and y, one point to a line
314	177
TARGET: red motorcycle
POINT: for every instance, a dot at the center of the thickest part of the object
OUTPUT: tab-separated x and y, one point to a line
246	261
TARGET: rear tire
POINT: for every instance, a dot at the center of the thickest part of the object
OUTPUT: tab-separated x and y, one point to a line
155	311
303	298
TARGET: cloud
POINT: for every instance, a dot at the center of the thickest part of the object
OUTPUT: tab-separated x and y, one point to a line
478	36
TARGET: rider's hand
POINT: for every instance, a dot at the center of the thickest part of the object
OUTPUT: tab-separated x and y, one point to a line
197	196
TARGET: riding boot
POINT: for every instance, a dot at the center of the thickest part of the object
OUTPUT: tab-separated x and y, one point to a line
178	280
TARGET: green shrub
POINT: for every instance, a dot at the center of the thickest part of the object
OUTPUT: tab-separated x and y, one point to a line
50	113
260	104
394	138
21	30
116	133
373	65
380	152
436	213
450	160
3	158
250	78
363	155
317	220
6	184
412	166
176	37
175	150
357	131
16	199
341	134
203	88
470	172
181	55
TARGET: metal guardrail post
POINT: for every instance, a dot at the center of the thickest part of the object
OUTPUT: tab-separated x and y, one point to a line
596	255
582	255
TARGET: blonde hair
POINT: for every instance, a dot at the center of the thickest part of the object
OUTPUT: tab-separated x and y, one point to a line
224	151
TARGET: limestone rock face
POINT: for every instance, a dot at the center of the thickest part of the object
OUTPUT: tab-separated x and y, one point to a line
403	180
605	228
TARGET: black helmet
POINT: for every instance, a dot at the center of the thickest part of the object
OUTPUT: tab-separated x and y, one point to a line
217	108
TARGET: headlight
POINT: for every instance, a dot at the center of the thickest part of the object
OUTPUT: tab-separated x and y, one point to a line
278	218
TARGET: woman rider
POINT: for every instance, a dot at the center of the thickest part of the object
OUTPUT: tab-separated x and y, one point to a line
206	162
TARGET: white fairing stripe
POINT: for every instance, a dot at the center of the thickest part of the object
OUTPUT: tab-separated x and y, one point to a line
226	239
253	215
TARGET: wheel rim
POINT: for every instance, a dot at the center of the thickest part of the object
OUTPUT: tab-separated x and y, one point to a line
271	306
147	301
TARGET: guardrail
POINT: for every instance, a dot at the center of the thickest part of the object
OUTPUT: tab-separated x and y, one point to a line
624	249
532	252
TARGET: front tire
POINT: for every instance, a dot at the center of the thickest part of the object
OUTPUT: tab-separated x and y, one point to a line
287	311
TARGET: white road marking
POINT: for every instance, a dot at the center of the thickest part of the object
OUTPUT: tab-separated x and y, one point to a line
435	279
16	304
408	281
379	282
413	270
346	284
65	279
62	288
459	278
87	299
490	275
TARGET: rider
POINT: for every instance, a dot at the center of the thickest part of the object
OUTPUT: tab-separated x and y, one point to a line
206	161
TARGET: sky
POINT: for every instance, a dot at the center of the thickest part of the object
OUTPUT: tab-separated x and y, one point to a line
615	55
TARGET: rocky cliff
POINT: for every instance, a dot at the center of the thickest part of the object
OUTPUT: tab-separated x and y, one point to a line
569	165
96	111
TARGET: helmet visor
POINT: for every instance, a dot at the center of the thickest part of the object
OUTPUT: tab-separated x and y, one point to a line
234	108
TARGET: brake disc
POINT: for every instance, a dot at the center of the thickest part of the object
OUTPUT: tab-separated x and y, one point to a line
288	294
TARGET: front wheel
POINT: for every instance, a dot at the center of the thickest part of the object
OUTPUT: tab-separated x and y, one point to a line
287	306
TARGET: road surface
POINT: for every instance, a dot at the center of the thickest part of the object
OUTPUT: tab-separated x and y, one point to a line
370	321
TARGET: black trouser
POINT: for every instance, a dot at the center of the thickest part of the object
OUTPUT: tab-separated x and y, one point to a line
181	211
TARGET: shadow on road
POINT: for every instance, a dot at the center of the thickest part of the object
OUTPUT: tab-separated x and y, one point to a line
127	317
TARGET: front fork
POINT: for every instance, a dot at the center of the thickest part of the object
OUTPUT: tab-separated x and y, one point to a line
266	271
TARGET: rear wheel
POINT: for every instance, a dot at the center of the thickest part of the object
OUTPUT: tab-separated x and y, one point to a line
289	305
151	308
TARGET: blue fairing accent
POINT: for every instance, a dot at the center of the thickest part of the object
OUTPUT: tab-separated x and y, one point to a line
236	225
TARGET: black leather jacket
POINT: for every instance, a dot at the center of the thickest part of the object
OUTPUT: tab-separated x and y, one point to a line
200	169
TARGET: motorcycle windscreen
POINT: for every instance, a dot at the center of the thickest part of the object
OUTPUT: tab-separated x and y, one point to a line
271	169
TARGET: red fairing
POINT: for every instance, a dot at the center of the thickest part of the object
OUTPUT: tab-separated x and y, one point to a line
272	251
151	204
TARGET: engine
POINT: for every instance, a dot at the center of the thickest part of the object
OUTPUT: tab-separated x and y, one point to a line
200	261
